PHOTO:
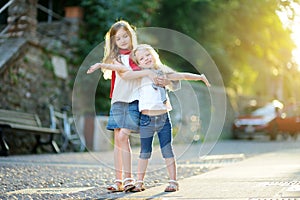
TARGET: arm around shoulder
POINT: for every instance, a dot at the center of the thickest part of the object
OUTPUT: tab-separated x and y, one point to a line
129	75
113	67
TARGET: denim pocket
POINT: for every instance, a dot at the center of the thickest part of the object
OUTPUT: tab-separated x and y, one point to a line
145	120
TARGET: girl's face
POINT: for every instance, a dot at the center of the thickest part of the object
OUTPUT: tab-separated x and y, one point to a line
123	40
144	58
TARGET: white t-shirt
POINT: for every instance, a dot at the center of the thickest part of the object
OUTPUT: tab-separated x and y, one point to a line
150	98
125	90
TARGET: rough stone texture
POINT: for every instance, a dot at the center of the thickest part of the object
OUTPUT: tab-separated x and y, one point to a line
27	78
22	18
26	85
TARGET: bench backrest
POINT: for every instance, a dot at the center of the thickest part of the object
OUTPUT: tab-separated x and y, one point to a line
15	117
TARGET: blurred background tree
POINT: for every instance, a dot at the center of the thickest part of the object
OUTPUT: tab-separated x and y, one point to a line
246	40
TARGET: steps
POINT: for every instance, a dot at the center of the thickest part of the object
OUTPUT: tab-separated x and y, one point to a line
11	49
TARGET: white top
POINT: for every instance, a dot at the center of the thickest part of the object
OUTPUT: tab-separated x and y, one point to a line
125	90
150	99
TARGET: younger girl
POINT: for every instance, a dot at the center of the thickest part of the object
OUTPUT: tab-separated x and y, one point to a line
155	116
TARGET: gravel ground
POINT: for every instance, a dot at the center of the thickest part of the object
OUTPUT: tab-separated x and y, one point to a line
86	175
51	179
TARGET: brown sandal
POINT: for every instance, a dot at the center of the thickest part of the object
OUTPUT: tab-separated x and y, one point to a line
139	186
172	187
116	187
128	184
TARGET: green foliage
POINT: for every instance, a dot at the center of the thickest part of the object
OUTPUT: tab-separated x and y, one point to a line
101	14
13	77
47	63
245	39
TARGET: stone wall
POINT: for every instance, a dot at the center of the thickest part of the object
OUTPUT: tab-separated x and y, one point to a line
26	85
22	18
28	74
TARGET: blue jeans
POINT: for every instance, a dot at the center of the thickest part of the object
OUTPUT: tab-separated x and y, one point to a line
160	124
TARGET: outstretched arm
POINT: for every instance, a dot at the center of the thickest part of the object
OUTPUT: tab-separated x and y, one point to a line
122	70
114	67
188	76
129	75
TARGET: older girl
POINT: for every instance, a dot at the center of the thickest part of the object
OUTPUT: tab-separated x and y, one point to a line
124	113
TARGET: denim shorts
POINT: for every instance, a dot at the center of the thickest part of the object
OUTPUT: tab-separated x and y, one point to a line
124	115
160	124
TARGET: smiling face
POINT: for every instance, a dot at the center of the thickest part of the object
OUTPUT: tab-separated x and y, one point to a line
144	58
122	38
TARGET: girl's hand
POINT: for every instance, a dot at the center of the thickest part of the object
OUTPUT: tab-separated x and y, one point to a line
204	79
152	75
162	81
93	68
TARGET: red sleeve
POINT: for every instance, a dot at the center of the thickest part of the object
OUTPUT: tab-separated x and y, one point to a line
112	83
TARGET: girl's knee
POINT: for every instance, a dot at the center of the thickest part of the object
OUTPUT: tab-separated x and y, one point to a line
123	135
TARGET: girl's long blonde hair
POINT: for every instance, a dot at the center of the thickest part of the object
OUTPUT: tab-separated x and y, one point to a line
111	51
157	62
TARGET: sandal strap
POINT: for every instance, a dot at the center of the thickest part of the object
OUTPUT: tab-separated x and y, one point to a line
118	181
115	186
139	181
129	180
172	187
173	181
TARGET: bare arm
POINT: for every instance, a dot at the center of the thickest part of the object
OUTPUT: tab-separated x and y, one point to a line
188	76
129	75
122	70
114	67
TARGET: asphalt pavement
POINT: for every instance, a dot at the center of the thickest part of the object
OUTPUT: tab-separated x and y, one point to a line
225	170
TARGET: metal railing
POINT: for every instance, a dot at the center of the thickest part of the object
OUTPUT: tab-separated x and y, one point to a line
6	6
49	11
4	30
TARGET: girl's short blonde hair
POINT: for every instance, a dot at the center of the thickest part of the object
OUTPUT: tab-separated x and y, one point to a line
157	62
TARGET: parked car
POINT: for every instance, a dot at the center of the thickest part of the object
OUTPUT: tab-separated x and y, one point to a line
287	122
258	122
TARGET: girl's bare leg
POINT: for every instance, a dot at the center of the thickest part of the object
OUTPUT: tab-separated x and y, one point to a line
142	167
126	151
118	183
118	155
171	167
126	159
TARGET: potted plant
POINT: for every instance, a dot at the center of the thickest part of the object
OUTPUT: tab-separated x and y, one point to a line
73	9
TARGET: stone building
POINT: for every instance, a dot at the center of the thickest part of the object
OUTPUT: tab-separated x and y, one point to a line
35	61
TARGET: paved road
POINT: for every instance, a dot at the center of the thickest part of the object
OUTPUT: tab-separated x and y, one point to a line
85	175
